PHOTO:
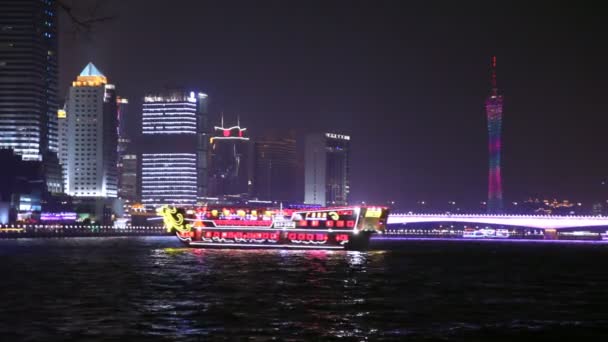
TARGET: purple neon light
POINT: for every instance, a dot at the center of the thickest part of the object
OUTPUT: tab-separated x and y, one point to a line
58	216
545	222
382	238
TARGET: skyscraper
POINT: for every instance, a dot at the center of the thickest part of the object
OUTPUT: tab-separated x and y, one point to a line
231	162
89	150
127	160
28	84
28	77
327	169
494	114
122	106
174	151
276	169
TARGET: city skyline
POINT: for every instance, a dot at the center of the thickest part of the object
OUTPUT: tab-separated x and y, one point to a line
410	90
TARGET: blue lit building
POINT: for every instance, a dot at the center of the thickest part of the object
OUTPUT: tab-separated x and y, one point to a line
28	86
174	152
28	83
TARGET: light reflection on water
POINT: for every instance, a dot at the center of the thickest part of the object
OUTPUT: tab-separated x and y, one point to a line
152	288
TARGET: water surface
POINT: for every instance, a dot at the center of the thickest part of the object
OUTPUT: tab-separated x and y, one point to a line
152	289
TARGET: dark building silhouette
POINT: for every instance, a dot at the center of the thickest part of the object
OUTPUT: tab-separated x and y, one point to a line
22	188
276	169
231	162
327	169
127	159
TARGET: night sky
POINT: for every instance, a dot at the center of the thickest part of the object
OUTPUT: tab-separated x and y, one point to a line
407	82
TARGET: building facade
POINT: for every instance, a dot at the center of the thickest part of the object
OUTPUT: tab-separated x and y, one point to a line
127	160
175	144
127	178
327	169
28	77
276	169
28	84
231	162
88	151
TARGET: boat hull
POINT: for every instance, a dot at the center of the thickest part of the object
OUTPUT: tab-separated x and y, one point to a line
276	239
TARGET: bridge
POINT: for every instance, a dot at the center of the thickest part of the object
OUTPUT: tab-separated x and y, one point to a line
529	221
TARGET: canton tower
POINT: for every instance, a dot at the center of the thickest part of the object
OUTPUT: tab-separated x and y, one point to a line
494	114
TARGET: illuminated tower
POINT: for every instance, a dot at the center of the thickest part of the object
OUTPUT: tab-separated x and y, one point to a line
494	114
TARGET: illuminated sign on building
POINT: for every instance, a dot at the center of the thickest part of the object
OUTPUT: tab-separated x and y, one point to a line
337	136
58	216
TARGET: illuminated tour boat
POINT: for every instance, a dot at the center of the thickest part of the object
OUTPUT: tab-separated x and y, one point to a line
320	228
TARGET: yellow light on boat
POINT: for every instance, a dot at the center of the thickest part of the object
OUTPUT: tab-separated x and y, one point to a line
240	213
373	212
214	212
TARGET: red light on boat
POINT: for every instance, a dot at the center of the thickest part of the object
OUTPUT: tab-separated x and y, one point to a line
350	223
329	224
341	237
340	224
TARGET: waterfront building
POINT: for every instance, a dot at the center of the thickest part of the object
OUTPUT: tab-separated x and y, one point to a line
174	148
276	169
494	104
327	169
22	188
231	162
28	86
124	140
127	178
89	147
127	160
28	83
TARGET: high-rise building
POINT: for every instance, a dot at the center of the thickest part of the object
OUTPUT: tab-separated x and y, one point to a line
231	162
127	177
122	106
494	104
276	169
127	160
174	148
28	82
89	150
327	169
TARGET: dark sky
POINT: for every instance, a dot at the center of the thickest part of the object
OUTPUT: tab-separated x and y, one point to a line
407	81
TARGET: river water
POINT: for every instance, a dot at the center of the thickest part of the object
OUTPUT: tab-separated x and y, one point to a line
152	289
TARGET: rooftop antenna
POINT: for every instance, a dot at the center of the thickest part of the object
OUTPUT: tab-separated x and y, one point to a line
493	77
